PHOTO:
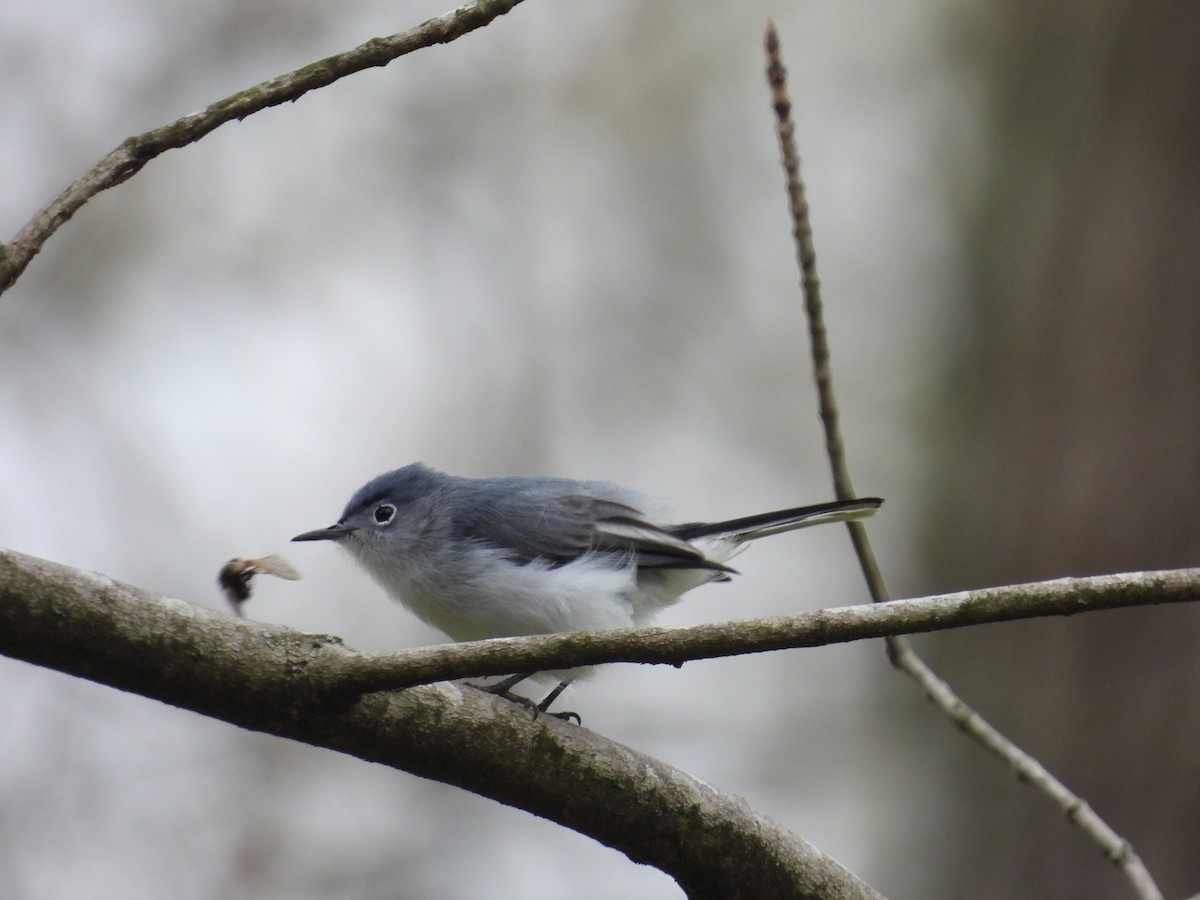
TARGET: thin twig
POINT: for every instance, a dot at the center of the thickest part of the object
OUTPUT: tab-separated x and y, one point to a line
37	597
674	646
900	652
127	159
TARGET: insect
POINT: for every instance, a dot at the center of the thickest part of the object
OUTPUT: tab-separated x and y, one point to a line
236	576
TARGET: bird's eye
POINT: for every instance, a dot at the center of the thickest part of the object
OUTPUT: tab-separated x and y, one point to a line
384	513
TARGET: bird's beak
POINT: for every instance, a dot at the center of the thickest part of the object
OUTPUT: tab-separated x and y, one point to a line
332	533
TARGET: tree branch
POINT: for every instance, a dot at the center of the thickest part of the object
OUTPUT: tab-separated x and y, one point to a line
313	689
675	646
274	680
34	628
899	650
127	159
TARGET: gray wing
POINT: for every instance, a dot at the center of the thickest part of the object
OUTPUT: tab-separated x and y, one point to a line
560	521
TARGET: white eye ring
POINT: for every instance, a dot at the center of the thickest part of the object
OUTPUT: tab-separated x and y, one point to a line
384	513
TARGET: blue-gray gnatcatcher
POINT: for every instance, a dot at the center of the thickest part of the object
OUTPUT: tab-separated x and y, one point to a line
501	557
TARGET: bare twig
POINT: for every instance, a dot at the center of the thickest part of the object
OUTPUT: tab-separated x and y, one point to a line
127	160
32	627
900	652
675	646
811	288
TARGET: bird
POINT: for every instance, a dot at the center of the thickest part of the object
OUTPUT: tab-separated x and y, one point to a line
515	555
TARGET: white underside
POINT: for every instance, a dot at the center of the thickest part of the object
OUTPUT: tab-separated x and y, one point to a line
492	596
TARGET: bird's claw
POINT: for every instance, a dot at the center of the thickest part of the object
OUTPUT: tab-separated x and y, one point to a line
500	689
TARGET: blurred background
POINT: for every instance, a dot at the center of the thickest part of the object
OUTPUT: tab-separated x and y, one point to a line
560	246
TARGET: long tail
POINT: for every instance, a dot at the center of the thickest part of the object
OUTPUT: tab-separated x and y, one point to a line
752	527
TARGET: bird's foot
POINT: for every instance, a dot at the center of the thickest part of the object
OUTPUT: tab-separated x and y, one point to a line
501	689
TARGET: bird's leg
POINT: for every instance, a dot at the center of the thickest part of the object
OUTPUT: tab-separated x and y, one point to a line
504	689
551	697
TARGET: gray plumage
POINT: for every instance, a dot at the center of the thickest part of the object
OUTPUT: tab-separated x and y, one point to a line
500	557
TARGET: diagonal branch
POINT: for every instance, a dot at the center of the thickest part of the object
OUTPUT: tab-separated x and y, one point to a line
272	679
313	689
127	159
